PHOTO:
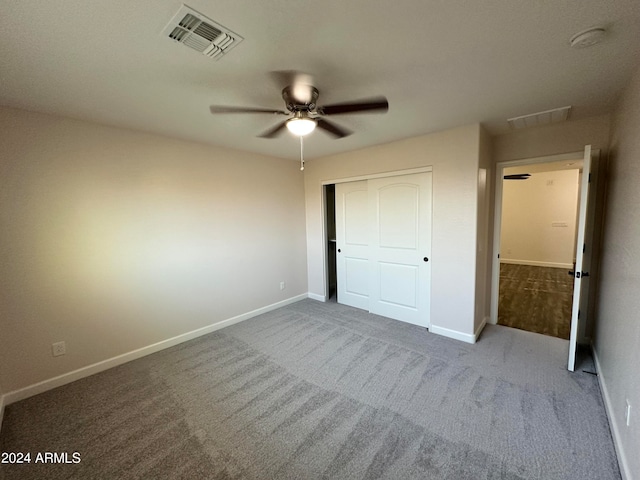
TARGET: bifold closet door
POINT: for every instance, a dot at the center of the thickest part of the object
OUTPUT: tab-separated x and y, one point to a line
383	234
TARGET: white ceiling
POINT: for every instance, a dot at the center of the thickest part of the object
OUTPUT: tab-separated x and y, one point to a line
440	63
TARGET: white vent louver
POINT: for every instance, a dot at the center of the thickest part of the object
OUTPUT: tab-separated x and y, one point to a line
541	118
201	33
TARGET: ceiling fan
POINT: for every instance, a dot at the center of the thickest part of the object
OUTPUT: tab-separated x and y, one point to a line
300	97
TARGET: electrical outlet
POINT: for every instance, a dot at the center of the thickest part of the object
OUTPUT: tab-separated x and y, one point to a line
59	348
627	414
282	285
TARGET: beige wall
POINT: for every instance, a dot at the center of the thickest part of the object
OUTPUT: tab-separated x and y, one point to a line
113	240
617	334
564	137
453	154
529	210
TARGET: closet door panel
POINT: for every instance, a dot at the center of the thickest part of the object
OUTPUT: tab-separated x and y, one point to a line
352	243
400	247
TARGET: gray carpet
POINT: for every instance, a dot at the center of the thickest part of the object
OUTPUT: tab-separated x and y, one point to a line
325	391
536	299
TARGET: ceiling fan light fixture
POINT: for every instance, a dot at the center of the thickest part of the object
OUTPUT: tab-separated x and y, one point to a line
301	126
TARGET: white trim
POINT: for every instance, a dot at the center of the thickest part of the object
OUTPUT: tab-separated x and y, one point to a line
577	155
625	471
315	296
495	259
98	367
536	263
394	173
446	332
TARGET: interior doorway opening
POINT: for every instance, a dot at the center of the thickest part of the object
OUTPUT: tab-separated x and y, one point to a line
538	246
586	247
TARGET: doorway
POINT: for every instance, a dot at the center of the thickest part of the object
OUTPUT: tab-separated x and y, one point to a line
585	246
538	246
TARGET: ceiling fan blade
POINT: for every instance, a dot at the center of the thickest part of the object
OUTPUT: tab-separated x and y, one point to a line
379	104
517	176
275	131
332	128
228	109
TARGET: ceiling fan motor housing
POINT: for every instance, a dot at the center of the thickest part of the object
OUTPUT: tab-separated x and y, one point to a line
300	98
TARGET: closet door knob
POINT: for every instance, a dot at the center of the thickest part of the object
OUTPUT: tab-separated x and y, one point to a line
339	250
425	259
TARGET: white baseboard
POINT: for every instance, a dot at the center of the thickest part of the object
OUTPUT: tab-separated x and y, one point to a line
535	263
83	372
446	332
463	337
622	458
315	296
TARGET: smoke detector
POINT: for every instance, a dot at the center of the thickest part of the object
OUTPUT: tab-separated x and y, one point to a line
200	33
587	37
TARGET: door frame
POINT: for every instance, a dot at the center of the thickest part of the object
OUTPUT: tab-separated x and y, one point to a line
497	218
497	223
323	184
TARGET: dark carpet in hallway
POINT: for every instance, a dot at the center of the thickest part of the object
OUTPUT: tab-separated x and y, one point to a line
536	299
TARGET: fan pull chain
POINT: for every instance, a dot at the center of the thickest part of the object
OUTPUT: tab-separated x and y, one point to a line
301	154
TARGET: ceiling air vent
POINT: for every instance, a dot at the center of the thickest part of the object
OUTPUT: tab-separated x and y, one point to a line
201	33
541	118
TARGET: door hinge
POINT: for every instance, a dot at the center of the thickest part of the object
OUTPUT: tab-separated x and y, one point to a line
589	178
584	247
578	313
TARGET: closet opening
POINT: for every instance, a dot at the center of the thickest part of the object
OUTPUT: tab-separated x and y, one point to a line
330	229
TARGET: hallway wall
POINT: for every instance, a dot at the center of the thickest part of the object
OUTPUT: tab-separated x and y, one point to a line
539	219
617	335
